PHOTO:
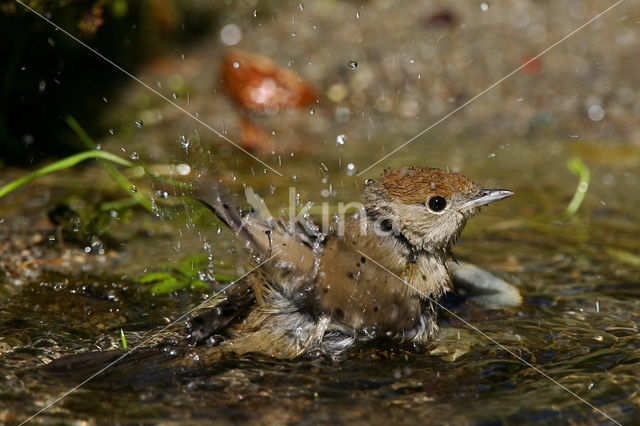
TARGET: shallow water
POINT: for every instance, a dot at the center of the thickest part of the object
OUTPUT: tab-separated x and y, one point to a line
578	324
579	276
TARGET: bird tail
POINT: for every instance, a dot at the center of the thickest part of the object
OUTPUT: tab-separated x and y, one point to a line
223	207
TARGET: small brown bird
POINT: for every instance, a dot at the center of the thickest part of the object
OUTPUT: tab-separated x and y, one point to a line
375	274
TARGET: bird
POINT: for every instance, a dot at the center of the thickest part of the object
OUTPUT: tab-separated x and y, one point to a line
375	275
378	273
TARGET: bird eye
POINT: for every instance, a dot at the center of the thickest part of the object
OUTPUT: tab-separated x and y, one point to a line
437	203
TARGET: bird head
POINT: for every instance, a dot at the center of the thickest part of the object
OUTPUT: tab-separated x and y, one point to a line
425	206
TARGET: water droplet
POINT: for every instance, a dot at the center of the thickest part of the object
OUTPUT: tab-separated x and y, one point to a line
312	111
184	141
493	154
351	169
255	13
295	178
342	114
341	139
231	34
301	7
133	189
174	96
484	6
42	86
357	15
183	169
134	156
138	123
352	64
161	194
412	61
236	64
111	132
105	100
596	112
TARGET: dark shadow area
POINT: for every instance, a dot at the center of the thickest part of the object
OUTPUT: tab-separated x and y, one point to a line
45	75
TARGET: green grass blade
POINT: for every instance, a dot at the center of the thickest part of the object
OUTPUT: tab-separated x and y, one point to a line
63	164
115	173
84	137
128	186
123	339
118	204
577	167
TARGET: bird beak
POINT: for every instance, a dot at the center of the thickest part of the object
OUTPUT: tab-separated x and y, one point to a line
486	196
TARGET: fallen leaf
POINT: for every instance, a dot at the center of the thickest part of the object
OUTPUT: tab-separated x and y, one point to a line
260	85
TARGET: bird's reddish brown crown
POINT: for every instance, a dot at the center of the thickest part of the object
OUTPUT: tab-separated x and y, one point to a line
413	185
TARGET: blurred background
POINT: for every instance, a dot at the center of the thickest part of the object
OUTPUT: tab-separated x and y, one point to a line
313	95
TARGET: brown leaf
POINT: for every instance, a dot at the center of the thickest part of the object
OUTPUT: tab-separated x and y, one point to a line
260	85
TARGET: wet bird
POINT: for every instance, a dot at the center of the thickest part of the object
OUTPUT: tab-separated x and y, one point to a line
376	274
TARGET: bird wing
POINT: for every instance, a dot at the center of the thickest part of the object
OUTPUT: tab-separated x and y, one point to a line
287	247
